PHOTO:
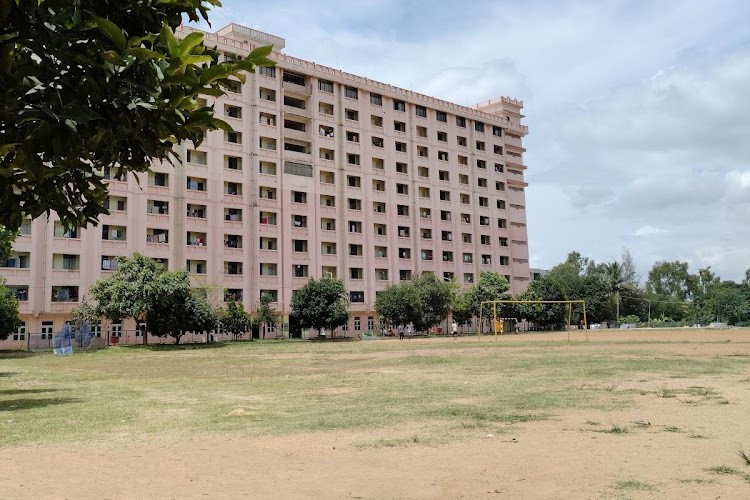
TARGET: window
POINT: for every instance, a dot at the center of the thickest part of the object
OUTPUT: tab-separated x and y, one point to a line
484	220
378	163
484	239
267	168
299	197
399	126
498	167
445	195
421	131
480	145
463	179
196	184
399	105
461	121
356	273
502	223
354	203
482	182
328	248
402	189
327	154
232	111
502	241
446	236
300	270
352	159
422	151
299	221
64	294
47	330
233	162
443	155
357	296
445	215
479	127
274	294
402	210
484	202
378	185
378	142
233	137
404	274
424	192
327	224
499	186
196	211
380	229
355	250
231	294
327	200
267	71
378	207
325	108
421	111
404	231
497	131
325	86
463	160
441	116
352	115
294	125
461	141
267	119
232	241
465	198
355	227
381	252
426	233
267	94
468	277
423	171
351	93
402	168
425	213
352	136
404	253
426	255
196	239
447	256
199	157
498	149
501	204
486	260
466	238
466	218
376	121
504	261
442	136
20	333
269	269
481	164
157	235
376	99
468	258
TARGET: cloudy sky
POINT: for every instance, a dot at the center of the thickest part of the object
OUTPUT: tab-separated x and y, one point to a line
639	111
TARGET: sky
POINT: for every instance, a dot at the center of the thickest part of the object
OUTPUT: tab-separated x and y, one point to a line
638	111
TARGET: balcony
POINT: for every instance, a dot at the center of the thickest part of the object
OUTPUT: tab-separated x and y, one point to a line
62	306
299	112
303	91
59	243
71	275
298	135
269	280
15	272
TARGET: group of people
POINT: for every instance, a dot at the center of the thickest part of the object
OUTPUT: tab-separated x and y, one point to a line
409	330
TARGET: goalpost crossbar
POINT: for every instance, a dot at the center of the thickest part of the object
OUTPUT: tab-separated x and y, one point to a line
511	301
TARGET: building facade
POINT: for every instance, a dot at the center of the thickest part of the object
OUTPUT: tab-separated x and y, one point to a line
327	174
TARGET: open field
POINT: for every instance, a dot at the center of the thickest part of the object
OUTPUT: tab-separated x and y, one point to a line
629	414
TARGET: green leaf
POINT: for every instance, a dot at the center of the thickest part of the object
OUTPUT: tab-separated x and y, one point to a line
190	42
260	52
168	38
142	53
112	31
221	70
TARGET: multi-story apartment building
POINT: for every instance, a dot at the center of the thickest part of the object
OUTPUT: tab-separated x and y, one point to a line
326	174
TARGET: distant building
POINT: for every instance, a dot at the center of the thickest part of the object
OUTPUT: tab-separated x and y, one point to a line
328	174
536	274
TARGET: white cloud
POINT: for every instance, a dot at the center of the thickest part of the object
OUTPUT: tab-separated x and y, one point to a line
647	231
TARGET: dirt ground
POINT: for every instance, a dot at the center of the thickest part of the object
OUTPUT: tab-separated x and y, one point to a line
666	453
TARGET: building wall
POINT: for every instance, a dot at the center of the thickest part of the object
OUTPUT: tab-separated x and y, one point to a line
443	158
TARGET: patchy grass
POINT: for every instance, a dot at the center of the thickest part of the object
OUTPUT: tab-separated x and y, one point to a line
697	480
635	485
696	435
729	471
671	428
285	387
744	456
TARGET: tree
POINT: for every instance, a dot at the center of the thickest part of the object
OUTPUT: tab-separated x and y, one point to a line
9	319
321	304
490	286
177	309
435	297
236	320
84	312
6	240
461	308
399	304
89	85
547	315
265	315
618	282
671	280
130	291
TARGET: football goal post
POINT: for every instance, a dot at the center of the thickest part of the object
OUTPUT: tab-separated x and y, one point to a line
487	304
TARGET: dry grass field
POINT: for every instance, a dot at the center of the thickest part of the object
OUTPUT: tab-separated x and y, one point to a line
628	414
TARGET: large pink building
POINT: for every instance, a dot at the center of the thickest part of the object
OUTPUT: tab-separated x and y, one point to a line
326	174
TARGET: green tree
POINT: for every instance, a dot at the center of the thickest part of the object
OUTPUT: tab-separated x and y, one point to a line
321	304
177	309
6	241
671	280
435	297
544	315
9	319
490	286
618	282
264	314
84	312
130	291
89	85
399	304
461	309
236	320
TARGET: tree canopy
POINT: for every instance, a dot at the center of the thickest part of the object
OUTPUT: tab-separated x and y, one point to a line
321	304
265	315
399	304
9	319
177	309
89	85
235	319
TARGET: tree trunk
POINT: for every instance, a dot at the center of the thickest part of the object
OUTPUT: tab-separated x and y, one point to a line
177	339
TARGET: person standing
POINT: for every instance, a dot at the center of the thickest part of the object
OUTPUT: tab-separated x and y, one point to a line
455	329
401	331
409	329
